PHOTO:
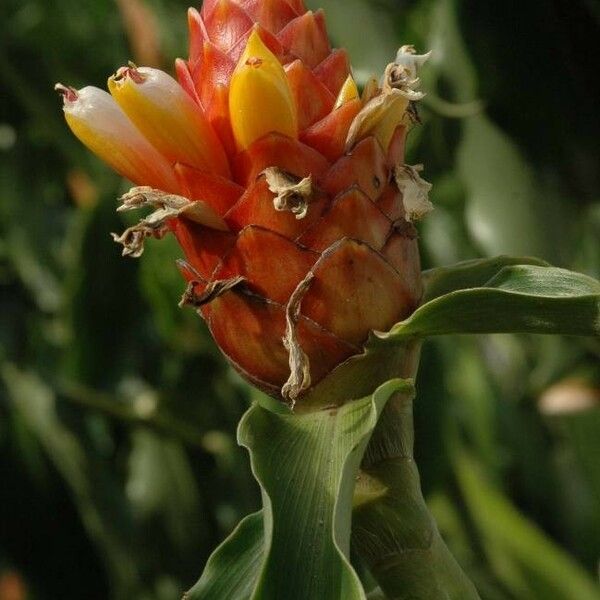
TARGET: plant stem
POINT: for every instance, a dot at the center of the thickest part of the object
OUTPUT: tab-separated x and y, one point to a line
393	531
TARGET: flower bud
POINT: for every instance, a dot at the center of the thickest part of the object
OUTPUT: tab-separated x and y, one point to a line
167	116
96	119
260	99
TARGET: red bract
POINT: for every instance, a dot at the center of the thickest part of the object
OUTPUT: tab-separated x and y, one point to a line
302	244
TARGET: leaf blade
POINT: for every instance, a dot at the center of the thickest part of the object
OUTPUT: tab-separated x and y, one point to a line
518	299
298	545
469	274
306	465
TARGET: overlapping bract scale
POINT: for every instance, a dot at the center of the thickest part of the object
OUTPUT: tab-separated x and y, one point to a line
366	265
353	241
321	251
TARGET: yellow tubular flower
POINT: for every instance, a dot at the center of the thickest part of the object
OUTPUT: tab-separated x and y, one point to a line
173	123
348	92
260	100
96	119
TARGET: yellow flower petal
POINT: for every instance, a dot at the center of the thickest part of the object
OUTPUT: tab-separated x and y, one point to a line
348	92
96	119
260	99
171	121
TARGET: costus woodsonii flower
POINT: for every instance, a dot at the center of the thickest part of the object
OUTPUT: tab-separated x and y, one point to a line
285	186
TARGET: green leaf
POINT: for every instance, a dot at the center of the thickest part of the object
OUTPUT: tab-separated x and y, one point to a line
469	274
518	299
306	465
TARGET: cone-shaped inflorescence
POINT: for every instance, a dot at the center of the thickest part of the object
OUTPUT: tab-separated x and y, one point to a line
285	187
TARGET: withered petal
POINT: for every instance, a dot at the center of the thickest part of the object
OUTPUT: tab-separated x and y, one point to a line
256	207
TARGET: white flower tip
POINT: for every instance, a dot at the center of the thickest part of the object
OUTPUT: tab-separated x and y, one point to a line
92	105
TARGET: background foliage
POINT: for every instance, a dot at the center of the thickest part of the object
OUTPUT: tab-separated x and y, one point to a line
119	468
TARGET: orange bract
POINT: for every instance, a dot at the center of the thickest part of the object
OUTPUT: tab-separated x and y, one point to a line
267	129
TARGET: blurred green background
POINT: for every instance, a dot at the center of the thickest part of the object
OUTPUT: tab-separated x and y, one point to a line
119	470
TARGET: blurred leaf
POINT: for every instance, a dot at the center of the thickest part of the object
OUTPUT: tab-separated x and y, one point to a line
507	209
161	285
477	410
351	23
98	285
526	560
532	76
161	484
510	207
142	30
450	54
588	249
101	515
582	429
577	457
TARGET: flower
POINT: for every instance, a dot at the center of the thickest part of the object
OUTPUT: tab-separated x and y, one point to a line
285	187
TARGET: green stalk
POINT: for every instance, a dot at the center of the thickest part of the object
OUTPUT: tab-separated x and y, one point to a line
392	529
